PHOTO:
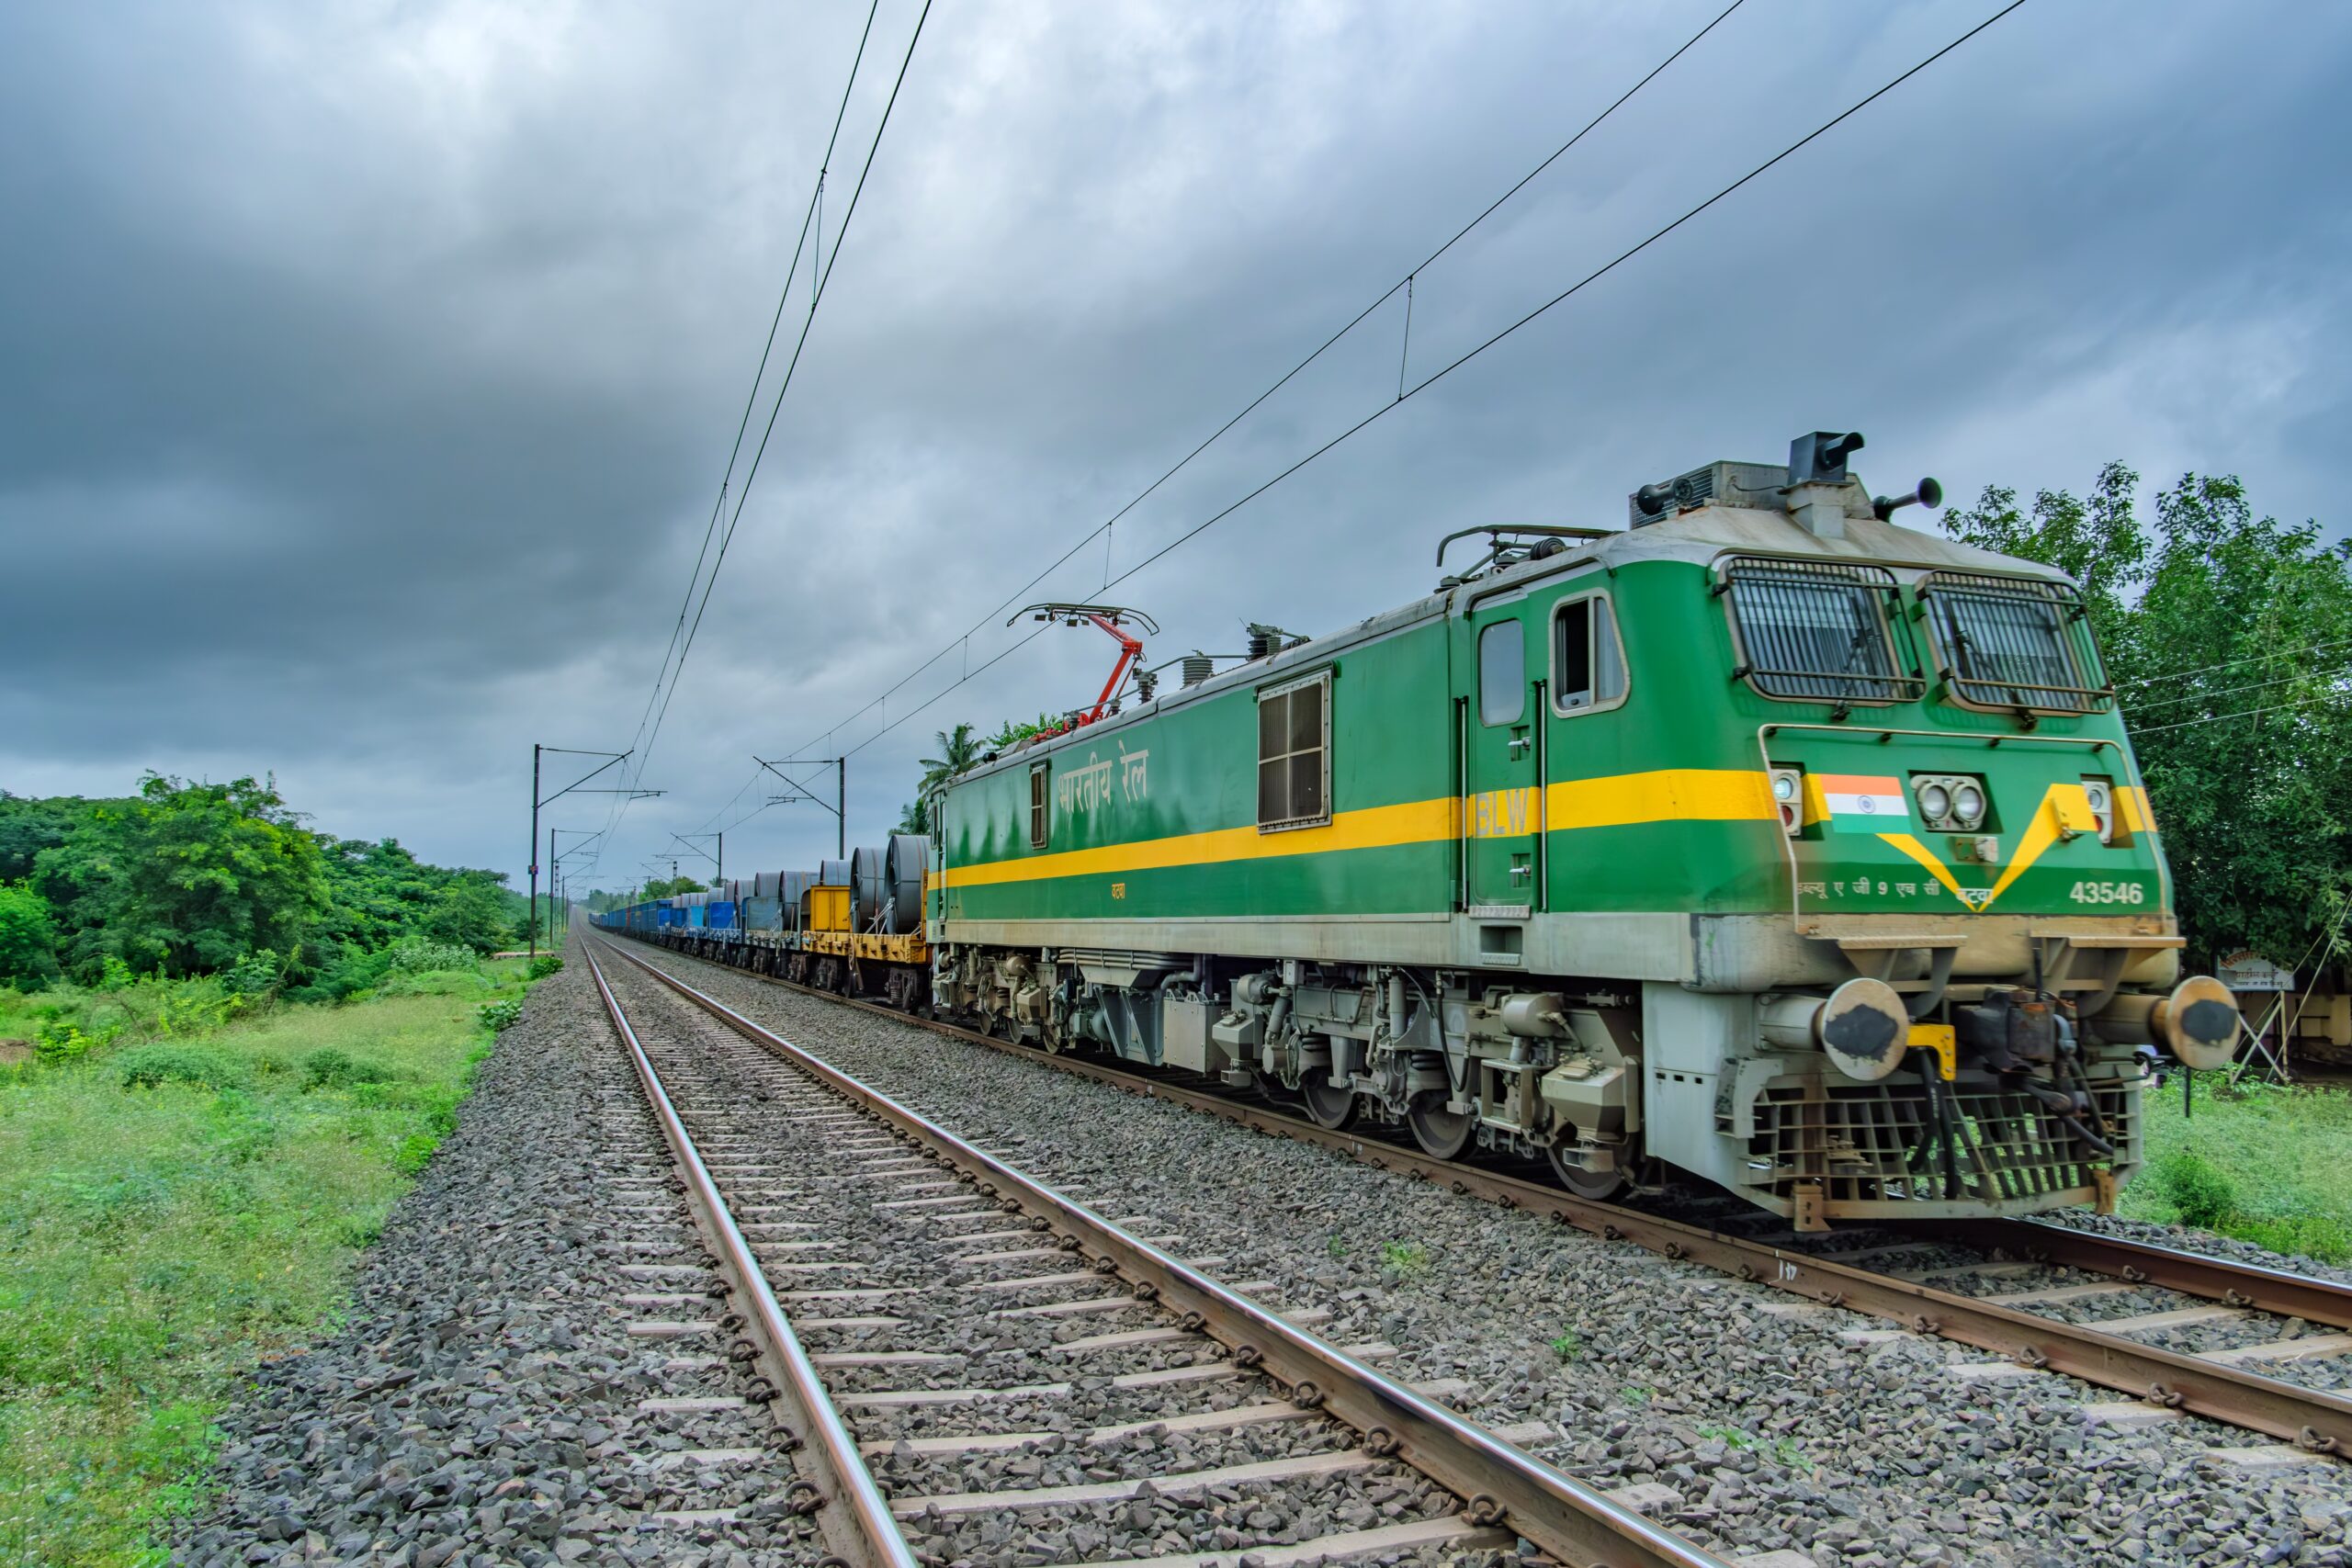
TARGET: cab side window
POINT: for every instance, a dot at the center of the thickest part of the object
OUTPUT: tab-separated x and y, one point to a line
1502	672
1588	659
1040	810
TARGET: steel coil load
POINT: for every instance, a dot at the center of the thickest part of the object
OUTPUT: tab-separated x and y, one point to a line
905	861
768	885
796	884
869	889
832	873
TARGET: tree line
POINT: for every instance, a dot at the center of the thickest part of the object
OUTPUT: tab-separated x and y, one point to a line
185	879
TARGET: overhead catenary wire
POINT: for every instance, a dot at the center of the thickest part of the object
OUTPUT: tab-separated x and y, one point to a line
2300	702
813	216
1447	369
2338	673
777	406
1593	277
823	278
1405	281
2301	652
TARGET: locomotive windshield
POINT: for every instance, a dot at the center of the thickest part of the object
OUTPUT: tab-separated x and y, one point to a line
1815	629
2011	642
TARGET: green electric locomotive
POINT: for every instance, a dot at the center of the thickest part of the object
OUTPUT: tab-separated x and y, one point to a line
1763	841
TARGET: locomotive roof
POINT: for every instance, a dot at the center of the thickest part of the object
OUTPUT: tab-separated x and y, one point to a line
1700	537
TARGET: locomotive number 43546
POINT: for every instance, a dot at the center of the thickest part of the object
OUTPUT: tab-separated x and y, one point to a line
2109	893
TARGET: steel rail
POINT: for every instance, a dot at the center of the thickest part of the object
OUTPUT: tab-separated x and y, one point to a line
2310	1419
849	1508
2250	1285
1503	1485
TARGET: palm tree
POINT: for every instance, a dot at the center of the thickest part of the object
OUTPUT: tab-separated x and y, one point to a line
958	750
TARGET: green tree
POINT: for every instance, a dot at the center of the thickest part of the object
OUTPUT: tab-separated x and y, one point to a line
28	826
2229	641
472	910
671	888
1014	732
27	938
186	878
2097	540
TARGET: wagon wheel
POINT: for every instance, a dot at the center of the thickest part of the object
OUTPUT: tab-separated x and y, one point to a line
1593	1186
1329	1107
1443	1133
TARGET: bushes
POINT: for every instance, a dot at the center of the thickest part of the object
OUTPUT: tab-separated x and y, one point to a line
415	955
544	965
58	1041
152	1066
498	1017
256	975
354	969
330	1068
2203	1195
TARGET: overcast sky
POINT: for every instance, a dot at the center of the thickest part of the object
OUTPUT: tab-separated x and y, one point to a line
367	371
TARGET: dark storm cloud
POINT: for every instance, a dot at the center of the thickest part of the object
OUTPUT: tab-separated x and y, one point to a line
369	369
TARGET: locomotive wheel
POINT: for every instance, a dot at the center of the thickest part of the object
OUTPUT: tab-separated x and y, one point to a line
1443	1133
1593	1186
1329	1108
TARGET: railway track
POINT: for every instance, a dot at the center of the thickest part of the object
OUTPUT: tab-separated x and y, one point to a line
968	1358
2001	1269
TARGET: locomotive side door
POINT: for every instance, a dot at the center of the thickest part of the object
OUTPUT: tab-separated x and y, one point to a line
1500	813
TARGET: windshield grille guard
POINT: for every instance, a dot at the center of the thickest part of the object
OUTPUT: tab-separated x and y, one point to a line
1768	597
1986	626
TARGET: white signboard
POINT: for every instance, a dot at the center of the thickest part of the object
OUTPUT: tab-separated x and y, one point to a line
2253	972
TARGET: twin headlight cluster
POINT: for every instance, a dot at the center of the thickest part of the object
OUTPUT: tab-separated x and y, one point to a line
1949	803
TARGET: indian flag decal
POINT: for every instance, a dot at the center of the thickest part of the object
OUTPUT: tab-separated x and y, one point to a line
1864	803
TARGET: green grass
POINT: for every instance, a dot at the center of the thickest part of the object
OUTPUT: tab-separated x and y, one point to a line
1783	1451
1409	1258
172	1211
2268	1166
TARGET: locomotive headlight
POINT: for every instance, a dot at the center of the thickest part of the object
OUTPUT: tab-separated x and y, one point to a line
1935	802
1788	799
1968	804
2099	796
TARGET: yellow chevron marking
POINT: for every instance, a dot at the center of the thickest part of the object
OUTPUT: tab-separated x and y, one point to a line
2063	807
1926	857
1665	794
